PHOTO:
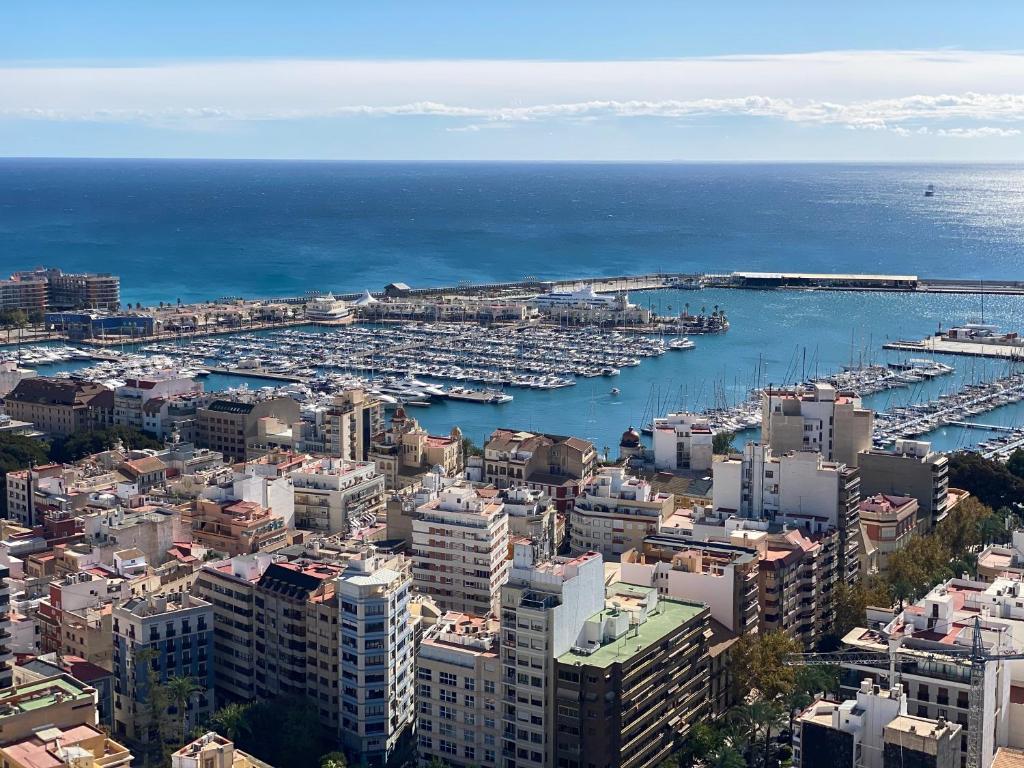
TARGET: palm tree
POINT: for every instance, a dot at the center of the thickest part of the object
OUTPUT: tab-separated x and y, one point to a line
755	721
180	690
232	721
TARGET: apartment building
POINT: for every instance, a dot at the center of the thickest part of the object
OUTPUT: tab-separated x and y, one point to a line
349	425
229	586
799	488
27	294
75	618
888	523
332	493
377	657
999	560
460	549
57	407
615	513
211	750
65	290
131	398
458	683
912	469
557	465
232	426
723	576
634	683
873	730
937	683
544	608
156	638
816	418
54	721
531	515
682	441
6	656
234	527
405	450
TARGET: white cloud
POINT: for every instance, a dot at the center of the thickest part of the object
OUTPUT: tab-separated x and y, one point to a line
901	92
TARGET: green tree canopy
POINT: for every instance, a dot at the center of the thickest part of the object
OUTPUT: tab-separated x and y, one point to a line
84	443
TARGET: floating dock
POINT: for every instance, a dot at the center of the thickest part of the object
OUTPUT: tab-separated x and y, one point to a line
938	345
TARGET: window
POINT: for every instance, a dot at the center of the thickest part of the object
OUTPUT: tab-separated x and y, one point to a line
447	747
448	696
488	686
448	678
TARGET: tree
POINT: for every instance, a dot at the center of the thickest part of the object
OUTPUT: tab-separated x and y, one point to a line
180	690
333	760
988	480
84	443
231	721
722	442
152	714
757	664
469	448
1015	464
754	724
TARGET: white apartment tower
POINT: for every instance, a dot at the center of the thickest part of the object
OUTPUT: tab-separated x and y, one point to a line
816	418
683	441
460	549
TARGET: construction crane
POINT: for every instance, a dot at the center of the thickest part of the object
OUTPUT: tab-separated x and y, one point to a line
976	656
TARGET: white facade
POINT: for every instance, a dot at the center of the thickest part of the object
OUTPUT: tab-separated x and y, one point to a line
334	495
816	418
327	308
460	549
585	297
615	512
683	441
377	655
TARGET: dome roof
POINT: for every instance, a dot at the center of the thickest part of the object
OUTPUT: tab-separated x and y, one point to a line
630	438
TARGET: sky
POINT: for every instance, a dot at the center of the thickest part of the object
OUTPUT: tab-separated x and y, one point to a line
557	80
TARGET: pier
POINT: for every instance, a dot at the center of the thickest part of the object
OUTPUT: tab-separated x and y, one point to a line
938	345
987	427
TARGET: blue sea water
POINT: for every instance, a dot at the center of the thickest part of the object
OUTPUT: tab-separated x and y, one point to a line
202	229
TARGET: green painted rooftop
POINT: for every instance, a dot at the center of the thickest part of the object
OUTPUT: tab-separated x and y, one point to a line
669	615
38	695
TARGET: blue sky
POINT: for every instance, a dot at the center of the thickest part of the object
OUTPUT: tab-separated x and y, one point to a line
558	80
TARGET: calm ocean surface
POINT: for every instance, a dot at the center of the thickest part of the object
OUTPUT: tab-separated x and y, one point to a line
202	229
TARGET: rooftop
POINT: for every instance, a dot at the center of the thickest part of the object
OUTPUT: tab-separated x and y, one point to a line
40	694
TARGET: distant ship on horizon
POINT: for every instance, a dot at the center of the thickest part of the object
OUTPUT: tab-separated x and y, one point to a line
929	191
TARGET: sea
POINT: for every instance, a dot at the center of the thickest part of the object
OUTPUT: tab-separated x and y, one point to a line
198	229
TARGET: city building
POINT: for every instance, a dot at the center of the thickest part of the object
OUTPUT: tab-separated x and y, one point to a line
545	607
406	450
11	373
75	618
873	730
559	466
235	527
616	512
229	586
330	494
76	291
938	683
460	549
723	576
888	523
131	398
912	469
997	560
6	656
458	679
816	418
211	750
156	638
634	683
53	721
57	407
377	658
27	294
531	515
350	423
800	488
682	441
326	308
232	426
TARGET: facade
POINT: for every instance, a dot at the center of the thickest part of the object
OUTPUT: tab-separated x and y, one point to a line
873	730
460	549
559	466
458	678
615	513
76	291
327	309
406	449
724	577
531	515
55	406
130	400
75	619
6	655
545	606
377	660
211	750
888	523
332	493
799	488
997	560
235	527
232	427
912	469
27	294
156	638
350	424
636	681
816	418
229	586
683	441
